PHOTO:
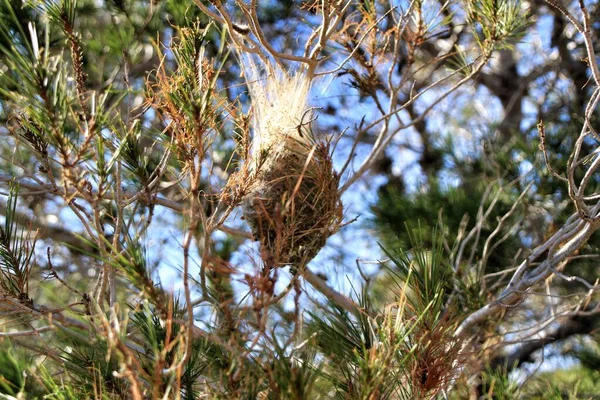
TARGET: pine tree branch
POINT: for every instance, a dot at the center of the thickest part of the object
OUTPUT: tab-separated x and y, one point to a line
572	237
45	231
33	332
577	324
40	189
335	297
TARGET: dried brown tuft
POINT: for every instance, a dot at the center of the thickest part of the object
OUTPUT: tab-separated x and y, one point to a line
435	352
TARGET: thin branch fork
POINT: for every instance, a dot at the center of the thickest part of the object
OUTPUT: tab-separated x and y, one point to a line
125	198
385	138
571	324
32	332
522	280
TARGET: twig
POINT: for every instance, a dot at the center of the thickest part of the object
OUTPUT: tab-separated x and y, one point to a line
337	298
33	332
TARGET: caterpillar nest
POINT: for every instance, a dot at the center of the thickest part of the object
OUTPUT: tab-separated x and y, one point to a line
294	203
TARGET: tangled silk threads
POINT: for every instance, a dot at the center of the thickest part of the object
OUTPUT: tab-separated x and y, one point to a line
294	203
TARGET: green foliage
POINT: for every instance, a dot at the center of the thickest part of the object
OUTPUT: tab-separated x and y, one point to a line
59	390
458	208
589	356
12	379
404	350
499	23
16	253
425	270
92	366
137	152
498	385
572	384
